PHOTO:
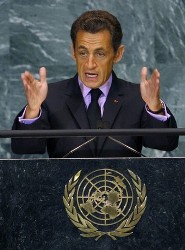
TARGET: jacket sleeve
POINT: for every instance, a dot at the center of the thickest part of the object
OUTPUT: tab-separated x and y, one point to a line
30	145
161	142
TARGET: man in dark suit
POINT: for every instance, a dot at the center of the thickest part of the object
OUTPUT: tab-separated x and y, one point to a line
96	38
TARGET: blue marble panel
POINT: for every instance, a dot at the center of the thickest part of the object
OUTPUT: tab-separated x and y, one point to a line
33	216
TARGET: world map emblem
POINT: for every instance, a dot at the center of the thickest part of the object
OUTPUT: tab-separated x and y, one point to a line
105	202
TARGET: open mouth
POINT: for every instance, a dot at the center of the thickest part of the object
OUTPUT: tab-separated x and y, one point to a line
91	75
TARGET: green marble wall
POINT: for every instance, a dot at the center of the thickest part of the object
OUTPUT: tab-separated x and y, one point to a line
36	33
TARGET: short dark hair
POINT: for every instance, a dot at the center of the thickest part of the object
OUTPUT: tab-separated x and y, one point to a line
95	21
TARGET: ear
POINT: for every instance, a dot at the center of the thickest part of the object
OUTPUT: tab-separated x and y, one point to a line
119	53
73	52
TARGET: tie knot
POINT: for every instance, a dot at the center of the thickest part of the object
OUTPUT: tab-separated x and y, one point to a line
95	94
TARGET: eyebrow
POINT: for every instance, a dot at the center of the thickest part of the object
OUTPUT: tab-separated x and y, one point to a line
82	47
97	49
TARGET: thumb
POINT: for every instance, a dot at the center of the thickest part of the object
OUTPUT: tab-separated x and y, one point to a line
144	74
42	73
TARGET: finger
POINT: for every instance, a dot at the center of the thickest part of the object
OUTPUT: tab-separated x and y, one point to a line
24	79
27	78
155	76
28	81
144	74
42	73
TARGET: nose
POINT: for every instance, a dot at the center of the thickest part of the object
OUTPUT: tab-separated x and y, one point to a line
91	63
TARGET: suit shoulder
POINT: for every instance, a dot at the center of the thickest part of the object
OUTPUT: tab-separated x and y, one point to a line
128	86
130	91
57	91
53	86
127	83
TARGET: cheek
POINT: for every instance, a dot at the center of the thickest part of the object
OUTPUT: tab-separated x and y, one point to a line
79	64
106	67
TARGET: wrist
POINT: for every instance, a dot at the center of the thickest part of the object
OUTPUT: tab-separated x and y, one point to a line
31	113
159	110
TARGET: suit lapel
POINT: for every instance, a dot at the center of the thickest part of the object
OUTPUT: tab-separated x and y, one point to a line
112	107
77	107
76	104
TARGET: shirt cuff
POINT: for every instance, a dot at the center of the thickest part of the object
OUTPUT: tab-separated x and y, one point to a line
28	121
162	118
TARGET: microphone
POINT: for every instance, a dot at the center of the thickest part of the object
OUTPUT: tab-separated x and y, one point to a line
98	126
80	146
104	125
126	146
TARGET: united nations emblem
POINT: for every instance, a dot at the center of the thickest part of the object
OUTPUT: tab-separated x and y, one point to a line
105	202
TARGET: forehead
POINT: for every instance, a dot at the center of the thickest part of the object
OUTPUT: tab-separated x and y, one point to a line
101	39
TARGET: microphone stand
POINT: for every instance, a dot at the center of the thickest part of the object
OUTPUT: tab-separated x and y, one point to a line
105	124
99	126
80	146
126	146
102	125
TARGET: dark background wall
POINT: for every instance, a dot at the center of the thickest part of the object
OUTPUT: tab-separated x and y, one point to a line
36	33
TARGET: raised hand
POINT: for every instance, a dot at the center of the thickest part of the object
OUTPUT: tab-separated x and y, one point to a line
150	89
36	92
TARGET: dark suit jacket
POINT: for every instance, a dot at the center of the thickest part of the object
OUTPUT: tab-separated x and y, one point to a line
64	108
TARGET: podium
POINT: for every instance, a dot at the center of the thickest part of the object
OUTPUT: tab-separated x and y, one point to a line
34	212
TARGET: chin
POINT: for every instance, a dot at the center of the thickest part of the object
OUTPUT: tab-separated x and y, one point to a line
91	84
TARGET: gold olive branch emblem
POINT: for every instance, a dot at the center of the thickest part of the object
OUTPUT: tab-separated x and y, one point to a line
127	225
89	230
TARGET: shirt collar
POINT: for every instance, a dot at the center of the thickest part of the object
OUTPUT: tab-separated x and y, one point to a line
104	88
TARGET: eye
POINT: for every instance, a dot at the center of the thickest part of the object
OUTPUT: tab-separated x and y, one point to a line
100	54
82	53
